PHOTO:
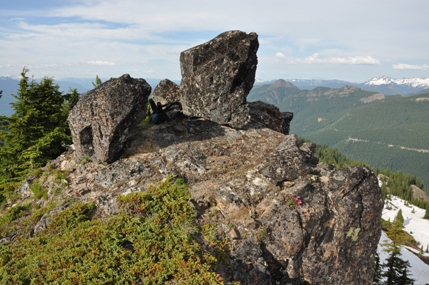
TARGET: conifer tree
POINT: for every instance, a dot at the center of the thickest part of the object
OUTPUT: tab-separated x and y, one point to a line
35	132
97	81
377	279
427	212
396	270
399	218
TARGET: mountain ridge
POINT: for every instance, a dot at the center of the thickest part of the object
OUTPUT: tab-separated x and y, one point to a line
388	130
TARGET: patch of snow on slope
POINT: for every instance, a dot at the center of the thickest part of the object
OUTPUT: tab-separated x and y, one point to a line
414	223
418	269
416	226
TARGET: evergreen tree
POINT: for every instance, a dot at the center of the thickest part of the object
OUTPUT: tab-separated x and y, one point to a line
396	270
72	98
427	212
399	218
97	81
377	279
35	132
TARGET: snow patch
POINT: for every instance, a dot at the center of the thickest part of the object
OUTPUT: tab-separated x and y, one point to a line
416	226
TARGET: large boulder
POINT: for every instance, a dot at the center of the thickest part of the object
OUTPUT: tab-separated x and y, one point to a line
217	77
103	119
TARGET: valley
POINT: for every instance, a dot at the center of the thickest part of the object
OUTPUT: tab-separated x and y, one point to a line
386	131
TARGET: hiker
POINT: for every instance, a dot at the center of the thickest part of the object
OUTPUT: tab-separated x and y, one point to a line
160	113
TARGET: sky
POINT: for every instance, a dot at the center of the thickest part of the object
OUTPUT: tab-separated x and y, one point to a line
308	39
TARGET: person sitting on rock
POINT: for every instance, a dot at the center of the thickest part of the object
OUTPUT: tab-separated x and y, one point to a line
164	113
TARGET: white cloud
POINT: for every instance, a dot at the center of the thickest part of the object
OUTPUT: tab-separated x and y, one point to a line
317	59
101	63
315	37
411	66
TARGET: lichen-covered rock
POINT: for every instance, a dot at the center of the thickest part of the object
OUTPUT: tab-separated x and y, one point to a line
166	92
217	77
24	190
103	119
269	116
240	181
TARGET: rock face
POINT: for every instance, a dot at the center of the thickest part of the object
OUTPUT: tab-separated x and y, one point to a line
217	76
240	180
270	116
166	92
101	121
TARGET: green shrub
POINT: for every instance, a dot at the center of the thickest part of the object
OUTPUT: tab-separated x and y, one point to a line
38	191
60	174
152	241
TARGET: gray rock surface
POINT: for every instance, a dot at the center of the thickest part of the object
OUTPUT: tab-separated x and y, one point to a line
217	77
166	92
269	116
24	189
102	120
240	180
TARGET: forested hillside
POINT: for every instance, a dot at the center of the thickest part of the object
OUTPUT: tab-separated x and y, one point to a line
385	131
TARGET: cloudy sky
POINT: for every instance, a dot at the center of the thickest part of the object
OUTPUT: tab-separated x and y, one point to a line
352	40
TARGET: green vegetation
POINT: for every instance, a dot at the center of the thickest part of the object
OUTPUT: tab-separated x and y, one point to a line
34	134
396	269
154	240
97	81
395	183
334	157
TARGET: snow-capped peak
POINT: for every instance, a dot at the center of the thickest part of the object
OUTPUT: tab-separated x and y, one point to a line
413	82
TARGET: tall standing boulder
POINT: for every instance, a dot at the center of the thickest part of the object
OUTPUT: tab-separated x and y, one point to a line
217	77
102	120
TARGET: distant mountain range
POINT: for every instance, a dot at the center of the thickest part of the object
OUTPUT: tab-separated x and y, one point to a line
385	131
384	84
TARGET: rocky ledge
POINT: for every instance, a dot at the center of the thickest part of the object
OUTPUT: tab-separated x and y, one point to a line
246	182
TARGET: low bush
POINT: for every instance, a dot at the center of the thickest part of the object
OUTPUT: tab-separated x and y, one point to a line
152	241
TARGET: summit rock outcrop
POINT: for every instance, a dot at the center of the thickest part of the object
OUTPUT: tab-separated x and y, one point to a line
242	182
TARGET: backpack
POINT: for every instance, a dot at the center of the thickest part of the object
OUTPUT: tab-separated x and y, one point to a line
164	113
